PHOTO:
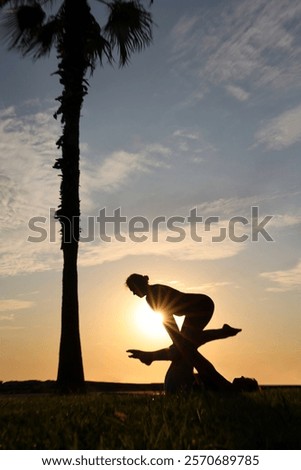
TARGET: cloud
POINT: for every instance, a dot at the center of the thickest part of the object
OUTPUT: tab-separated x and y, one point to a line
19	256
162	242
28	185
186	134
286	280
183	29
115	170
9	305
235	45
237	92
192	142
242	206
10	328
7	318
282	131
235	206
27	181
212	286
285	220
183	35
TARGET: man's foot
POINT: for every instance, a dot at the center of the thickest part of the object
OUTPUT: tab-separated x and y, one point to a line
231	331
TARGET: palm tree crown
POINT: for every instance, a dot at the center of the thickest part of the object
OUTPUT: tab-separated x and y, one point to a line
32	30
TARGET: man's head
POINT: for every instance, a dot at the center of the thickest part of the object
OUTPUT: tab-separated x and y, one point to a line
138	284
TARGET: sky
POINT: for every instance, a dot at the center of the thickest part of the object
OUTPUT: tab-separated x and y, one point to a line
195	147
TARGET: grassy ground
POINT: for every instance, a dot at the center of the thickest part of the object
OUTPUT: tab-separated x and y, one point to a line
269	419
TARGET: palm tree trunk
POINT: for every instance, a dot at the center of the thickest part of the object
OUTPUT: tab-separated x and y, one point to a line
70	372
72	69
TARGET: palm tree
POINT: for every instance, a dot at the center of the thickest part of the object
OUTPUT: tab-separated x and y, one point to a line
33	29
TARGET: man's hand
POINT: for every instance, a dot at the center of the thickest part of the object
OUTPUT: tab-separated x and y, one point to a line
143	356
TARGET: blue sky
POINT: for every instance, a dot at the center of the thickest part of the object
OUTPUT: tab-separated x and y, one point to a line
208	118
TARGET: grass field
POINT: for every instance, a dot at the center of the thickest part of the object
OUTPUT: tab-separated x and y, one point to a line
269	419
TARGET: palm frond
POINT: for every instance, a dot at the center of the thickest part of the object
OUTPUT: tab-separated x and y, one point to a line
25	29
20	25
18	3
129	28
46	37
96	45
12	3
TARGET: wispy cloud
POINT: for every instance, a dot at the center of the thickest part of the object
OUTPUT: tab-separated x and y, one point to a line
7	318
242	206
285	220
176	240
9	305
29	187
11	328
281	131
115	170
186	134
185	250
192	142
28	184
19	256
239	93
240	47
211	287
183	29
285	280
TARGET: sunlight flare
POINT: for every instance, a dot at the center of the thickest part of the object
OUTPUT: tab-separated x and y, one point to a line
148	322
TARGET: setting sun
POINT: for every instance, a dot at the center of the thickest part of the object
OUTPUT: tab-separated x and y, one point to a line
149	322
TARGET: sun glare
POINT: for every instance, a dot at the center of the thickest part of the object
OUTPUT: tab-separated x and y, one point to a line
149	322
